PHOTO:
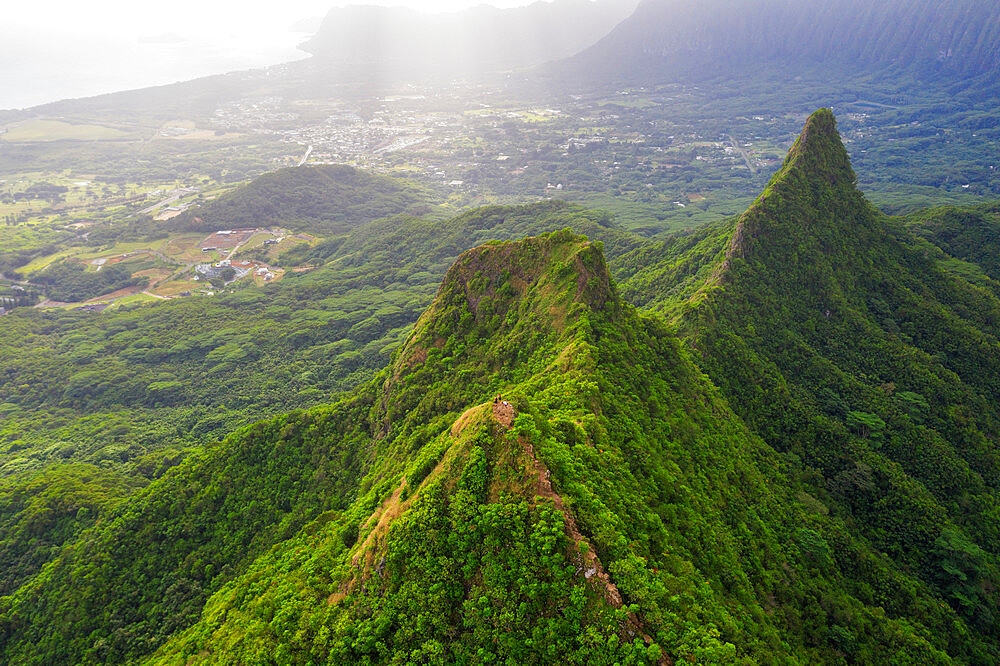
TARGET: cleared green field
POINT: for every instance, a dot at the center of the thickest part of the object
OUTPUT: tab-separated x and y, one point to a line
287	244
175	287
131	300
256	240
186	247
56	130
39	263
126	247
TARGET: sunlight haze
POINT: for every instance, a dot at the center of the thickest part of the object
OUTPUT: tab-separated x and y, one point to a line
60	50
191	16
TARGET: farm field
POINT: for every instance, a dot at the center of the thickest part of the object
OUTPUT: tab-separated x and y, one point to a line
55	130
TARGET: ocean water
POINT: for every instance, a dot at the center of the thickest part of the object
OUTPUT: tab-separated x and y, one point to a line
40	67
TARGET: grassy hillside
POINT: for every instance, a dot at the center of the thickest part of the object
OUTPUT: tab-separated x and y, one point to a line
322	200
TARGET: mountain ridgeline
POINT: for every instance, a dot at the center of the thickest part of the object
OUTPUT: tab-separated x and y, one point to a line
677	40
771	440
861	353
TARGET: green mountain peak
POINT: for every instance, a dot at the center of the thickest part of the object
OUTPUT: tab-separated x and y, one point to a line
846	342
504	310
494	290
809	223
813	196
819	151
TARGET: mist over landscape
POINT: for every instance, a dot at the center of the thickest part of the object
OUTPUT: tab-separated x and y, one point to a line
49	54
41	68
571	332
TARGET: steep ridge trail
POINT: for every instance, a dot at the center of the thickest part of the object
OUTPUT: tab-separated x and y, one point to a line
503	411
594	571
364	560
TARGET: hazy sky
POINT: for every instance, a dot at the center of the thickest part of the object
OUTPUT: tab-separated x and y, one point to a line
195	16
58	49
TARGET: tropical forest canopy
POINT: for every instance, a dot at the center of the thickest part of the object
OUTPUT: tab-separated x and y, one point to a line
635	357
769	439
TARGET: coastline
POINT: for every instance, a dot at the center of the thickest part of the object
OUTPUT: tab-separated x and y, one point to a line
46	66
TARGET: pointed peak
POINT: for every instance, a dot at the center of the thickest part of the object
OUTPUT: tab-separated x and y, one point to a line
821	121
813	193
819	151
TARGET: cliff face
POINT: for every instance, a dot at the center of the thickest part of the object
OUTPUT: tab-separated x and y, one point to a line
672	38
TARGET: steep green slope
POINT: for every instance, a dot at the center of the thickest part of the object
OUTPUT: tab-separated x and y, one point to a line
841	339
322	200
615	512
125	435
145	570
970	235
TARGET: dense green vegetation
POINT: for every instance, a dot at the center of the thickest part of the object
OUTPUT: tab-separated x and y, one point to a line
110	389
971	235
40	510
184	536
769	440
70	282
858	351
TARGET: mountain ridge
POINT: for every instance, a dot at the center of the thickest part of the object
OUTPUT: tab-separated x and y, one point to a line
839	336
672	40
587	424
796	465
